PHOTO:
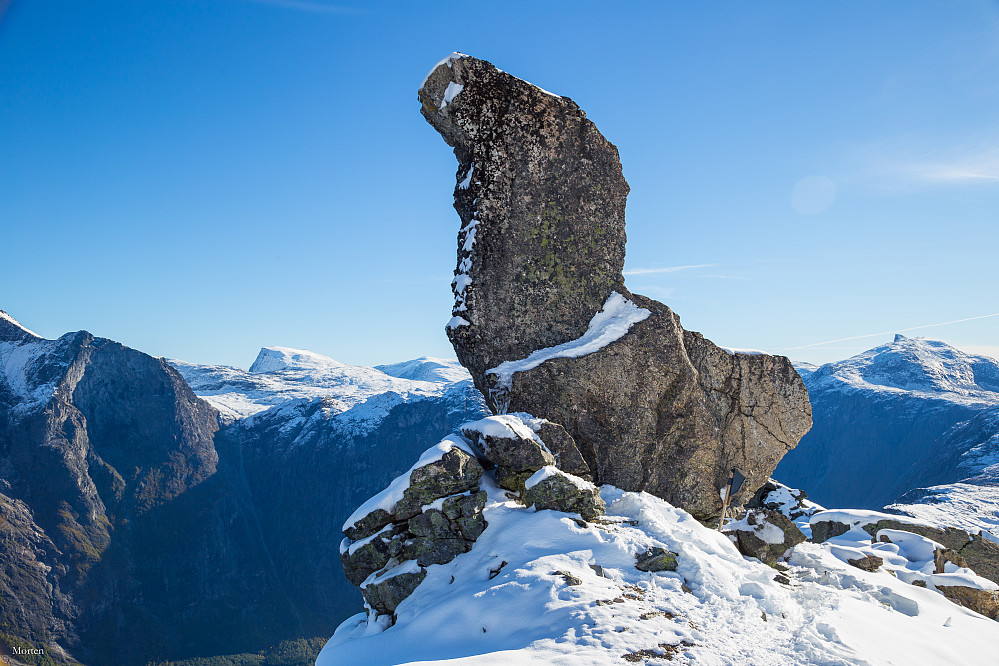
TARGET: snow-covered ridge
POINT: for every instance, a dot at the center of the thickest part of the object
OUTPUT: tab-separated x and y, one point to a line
281	376
611	323
7	319
540	588
918	366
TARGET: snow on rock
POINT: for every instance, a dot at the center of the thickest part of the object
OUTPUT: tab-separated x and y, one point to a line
549	471
508	600
611	323
446	61
388	498
453	90
503	426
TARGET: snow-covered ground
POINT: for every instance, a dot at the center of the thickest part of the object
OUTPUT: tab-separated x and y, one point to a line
280	376
511	599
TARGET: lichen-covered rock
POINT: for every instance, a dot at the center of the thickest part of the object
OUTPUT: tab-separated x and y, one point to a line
508	443
985	602
367	556
764	534
656	559
455	472
386	593
541	198
369	524
551	488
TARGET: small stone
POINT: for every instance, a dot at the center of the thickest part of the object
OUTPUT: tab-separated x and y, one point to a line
919	583
782	579
567	577
867	563
656	559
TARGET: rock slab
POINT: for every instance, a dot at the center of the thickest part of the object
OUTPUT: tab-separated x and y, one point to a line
541	198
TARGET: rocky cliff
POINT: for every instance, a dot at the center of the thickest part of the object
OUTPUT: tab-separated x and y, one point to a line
544	323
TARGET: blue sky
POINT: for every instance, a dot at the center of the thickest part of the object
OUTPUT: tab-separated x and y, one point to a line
198	179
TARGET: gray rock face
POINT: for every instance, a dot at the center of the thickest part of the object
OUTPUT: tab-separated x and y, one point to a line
770	535
541	199
557	492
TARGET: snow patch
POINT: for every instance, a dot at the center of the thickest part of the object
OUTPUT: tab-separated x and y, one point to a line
549	471
610	324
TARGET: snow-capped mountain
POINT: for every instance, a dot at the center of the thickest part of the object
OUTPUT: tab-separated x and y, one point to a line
909	414
280	375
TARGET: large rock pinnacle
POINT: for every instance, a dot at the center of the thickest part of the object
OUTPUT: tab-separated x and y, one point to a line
544	323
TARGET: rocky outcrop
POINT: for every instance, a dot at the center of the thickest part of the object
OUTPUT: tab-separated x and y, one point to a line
764	534
551	488
545	325
429	515
436	511
985	602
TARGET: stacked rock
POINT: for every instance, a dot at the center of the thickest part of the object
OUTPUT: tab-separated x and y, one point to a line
429	515
434	512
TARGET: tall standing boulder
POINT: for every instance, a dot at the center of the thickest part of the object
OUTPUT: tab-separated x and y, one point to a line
544	323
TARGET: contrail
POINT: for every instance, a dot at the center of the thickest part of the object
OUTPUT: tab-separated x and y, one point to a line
668	269
901	330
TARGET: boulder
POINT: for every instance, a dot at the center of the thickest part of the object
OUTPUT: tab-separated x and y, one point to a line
776	496
867	562
985	602
508	443
656	559
827	529
367	556
384	594
455	472
764	534
560	443
551	488
545	325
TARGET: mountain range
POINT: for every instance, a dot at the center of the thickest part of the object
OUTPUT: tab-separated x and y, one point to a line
140	522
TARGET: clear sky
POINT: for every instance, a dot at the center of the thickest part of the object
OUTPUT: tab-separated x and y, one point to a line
200	178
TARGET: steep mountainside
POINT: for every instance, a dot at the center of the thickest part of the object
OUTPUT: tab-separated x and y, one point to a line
137	524
909	414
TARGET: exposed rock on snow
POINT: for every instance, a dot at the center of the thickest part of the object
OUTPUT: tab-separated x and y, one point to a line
551	328
551	488
791	502
434	512
656	559
515	449
764	534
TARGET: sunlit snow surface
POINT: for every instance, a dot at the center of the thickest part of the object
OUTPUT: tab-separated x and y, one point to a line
501	604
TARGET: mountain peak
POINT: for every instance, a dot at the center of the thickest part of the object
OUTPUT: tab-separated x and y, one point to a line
12	330
920	365
276	359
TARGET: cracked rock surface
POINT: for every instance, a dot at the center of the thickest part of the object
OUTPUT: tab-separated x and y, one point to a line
541	198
